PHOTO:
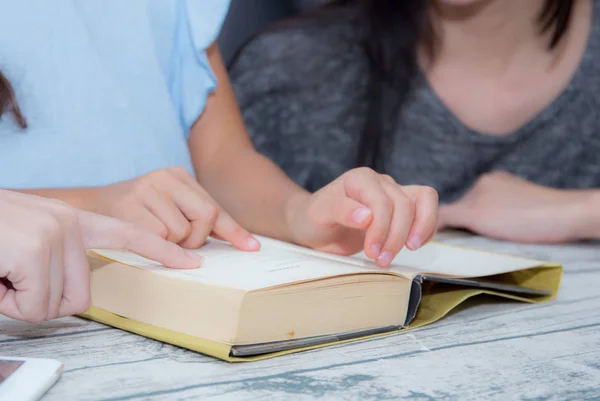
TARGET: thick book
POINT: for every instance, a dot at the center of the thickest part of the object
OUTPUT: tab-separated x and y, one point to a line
242	306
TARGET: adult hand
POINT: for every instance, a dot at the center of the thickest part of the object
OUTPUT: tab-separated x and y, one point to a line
44	272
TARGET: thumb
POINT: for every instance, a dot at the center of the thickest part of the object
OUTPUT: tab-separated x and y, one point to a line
343	211
106	232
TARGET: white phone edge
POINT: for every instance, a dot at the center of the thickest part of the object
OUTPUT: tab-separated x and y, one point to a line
31	380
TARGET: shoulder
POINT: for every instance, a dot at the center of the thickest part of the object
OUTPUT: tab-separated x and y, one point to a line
205	19
199	20
309	48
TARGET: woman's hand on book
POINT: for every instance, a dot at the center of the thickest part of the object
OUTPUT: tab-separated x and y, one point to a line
44	272
365	210
172	204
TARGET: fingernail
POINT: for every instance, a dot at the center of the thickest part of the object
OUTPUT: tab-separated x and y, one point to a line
360	215
414	242
385	258
376	249
193	255
253	243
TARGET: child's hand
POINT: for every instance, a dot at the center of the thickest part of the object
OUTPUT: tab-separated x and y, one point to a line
365	210
44	272
172	204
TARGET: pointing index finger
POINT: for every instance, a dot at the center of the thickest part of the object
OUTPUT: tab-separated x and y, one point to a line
106	232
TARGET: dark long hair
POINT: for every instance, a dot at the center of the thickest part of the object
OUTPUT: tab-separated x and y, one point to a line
8	102
394	31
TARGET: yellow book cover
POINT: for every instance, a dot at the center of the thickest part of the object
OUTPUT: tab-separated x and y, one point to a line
241	306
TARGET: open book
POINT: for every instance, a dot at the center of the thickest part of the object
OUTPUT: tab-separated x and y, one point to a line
285	298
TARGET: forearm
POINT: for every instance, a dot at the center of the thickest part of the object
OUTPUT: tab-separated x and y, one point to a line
254	191
573	214
249	186
75	197
586	210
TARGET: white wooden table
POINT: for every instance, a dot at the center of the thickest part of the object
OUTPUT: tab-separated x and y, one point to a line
495	351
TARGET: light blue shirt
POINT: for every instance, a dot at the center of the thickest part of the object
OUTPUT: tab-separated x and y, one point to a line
109	88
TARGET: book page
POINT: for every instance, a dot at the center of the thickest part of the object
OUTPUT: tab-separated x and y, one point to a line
226	266
449	260
434	258
279	263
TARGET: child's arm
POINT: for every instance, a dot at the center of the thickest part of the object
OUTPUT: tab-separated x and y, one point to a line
168	202
264	200
75	197
244	182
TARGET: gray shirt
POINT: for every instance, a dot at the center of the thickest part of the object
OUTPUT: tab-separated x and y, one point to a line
302	94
